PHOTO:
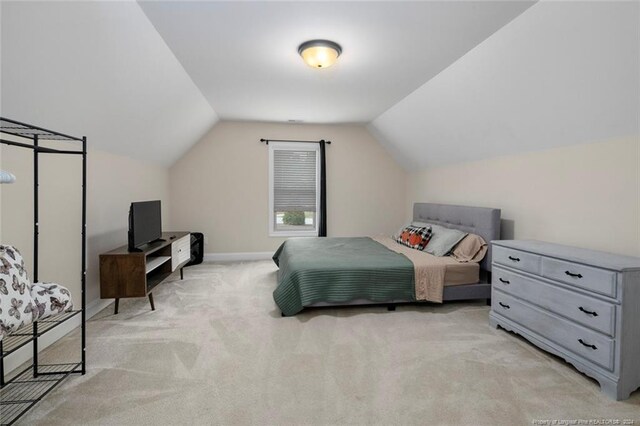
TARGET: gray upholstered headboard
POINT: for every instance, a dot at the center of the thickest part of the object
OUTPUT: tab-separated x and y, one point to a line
477	220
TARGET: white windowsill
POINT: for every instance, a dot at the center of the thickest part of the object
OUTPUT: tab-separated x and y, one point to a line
293	233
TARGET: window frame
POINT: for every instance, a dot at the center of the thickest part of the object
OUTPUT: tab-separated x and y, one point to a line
292	146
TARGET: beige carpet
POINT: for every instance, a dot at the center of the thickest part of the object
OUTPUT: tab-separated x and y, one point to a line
216	351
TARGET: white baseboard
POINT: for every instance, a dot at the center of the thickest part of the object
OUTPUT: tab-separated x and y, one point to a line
237	257
25	353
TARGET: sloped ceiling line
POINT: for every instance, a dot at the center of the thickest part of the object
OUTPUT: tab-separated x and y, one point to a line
148	79
243	55
100	69
563	73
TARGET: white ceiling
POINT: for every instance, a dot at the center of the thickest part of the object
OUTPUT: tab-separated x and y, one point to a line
101	70
440	82
562	73
243	55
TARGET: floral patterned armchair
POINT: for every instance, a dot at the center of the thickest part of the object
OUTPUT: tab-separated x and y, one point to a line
21	303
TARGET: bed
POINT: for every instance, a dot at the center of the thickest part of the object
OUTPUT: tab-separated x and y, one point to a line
317	272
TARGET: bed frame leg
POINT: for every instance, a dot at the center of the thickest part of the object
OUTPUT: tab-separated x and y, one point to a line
391	307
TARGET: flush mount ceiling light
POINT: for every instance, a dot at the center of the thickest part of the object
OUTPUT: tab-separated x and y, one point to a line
320	53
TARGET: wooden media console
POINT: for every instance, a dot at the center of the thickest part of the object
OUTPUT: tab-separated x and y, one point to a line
135	274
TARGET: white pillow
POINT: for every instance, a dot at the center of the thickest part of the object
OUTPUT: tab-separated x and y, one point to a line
443	240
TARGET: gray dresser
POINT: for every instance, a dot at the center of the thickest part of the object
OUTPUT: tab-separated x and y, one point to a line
581	305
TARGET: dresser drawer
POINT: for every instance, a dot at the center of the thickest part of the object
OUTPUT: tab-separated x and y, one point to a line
585	343
591	312
517	259
594	279
180	251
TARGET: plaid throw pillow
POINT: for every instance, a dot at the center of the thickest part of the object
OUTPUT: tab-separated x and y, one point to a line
414	237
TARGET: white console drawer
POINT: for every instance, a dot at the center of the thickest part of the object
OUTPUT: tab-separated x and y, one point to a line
588	344
517	259
593	279
589	311
180	251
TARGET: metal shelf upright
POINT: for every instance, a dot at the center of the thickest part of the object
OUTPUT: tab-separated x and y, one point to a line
26	389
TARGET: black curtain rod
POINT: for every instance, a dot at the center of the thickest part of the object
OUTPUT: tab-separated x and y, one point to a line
289	140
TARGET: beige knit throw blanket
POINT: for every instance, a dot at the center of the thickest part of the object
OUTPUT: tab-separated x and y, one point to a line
429	270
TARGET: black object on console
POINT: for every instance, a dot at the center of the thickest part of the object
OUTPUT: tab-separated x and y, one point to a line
197	248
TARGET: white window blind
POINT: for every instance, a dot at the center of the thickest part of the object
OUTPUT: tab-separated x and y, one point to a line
294	180
294	191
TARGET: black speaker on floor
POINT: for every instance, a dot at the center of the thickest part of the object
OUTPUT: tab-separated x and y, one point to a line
197	248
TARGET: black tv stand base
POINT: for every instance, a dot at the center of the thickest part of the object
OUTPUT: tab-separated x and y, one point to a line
146	246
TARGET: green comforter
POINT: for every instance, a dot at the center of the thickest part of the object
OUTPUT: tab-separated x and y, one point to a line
339	270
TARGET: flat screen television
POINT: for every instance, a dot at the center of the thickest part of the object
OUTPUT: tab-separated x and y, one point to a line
145	223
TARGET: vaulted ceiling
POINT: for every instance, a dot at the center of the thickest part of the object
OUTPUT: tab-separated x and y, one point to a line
244	55
436	81
562	73
99	69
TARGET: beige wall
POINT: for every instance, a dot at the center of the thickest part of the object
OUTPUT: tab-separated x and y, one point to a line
1	197
113	182
220	187
584	195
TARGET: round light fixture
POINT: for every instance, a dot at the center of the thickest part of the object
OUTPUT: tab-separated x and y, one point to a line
320	53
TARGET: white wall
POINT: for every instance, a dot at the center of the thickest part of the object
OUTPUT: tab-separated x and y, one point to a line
542	120
583	195
220	187
112	183
1	115
1	198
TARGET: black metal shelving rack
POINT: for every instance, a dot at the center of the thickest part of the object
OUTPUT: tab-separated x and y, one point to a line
28	387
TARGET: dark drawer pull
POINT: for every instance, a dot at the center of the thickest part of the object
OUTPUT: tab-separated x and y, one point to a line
595	314
504	306
573	275
594	347
515	259
504	281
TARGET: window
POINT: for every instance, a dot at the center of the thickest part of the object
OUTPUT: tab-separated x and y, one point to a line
294	189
